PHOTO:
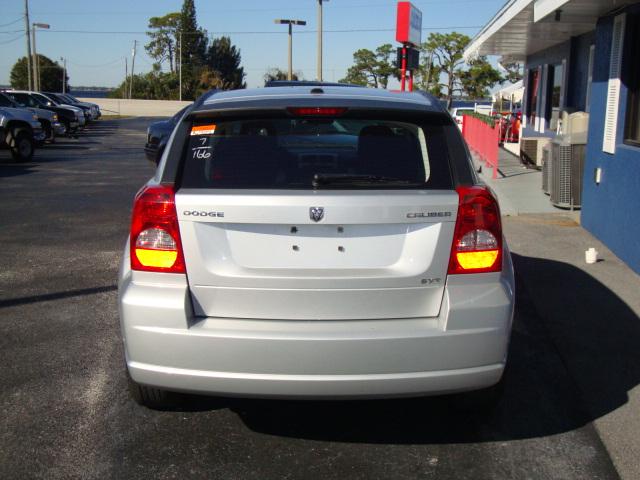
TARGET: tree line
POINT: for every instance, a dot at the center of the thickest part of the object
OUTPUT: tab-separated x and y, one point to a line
442	70
176	41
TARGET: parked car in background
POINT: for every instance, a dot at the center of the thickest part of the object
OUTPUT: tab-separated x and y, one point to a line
74	100
316	242
158	133
22	131
457	114
48	119
89	112
83	119
69	117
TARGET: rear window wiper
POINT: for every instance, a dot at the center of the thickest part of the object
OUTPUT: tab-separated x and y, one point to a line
347	179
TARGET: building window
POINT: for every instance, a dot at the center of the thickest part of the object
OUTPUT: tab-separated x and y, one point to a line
532	95
632	121
556	73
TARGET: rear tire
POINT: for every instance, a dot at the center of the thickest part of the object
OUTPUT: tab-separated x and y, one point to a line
23	146
150	397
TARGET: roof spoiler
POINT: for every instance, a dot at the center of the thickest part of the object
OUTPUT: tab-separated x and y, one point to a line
307	83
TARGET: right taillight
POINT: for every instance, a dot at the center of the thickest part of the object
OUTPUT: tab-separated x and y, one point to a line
155	236
477	240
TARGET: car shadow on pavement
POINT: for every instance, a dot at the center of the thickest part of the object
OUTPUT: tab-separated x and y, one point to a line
47	297
9	168
573	358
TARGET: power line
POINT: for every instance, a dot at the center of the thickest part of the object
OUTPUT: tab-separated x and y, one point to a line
257	32
275	9
6	42
11	23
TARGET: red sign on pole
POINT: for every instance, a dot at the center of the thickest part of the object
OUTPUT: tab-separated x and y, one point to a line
409	24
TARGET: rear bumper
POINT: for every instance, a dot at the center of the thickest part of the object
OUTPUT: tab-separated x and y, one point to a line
465	348
316	386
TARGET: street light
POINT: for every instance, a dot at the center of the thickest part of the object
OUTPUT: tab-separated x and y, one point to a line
320	39
290	23
64	74
36	62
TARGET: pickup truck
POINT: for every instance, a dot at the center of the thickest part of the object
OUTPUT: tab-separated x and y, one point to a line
22	131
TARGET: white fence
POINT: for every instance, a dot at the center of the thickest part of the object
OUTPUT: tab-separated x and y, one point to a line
137	108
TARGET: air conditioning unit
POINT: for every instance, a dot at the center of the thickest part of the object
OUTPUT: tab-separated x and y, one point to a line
567	158
566	171
531	150
547	157
575	125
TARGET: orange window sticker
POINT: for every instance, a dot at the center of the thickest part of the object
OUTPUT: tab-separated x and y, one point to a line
203	130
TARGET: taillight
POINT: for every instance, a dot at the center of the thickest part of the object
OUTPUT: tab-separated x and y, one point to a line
477	241
155	236
316	111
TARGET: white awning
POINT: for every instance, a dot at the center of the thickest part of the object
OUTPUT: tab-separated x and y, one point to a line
523	27
509	89
515	90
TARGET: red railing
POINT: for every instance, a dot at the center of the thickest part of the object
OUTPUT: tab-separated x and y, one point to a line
483	140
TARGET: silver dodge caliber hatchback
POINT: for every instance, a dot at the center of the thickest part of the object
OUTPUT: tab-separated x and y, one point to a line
315	242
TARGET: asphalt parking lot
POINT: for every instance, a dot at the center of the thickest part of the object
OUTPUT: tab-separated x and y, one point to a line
66	410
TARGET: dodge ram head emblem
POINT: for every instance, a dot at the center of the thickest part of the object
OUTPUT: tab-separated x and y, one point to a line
316	213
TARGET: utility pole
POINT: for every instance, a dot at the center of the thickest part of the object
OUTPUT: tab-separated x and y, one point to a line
320	39
429	65
26	28
35	60
133	62
126	78
290	23
64	74
180	65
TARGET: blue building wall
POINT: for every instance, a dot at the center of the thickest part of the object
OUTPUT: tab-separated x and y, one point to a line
611	210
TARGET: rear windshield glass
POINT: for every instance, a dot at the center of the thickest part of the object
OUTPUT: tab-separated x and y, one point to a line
308	153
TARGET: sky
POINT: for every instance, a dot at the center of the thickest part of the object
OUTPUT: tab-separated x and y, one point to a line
97	59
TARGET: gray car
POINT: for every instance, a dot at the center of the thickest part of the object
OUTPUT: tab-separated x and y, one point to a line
315	242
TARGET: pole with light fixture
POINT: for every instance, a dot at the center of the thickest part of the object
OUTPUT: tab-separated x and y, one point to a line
64	74
133	61
290	23
36	61
319	68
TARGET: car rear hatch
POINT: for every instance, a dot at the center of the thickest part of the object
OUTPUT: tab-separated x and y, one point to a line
316	216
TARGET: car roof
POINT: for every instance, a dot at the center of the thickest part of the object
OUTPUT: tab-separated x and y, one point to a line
28	92
317	96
